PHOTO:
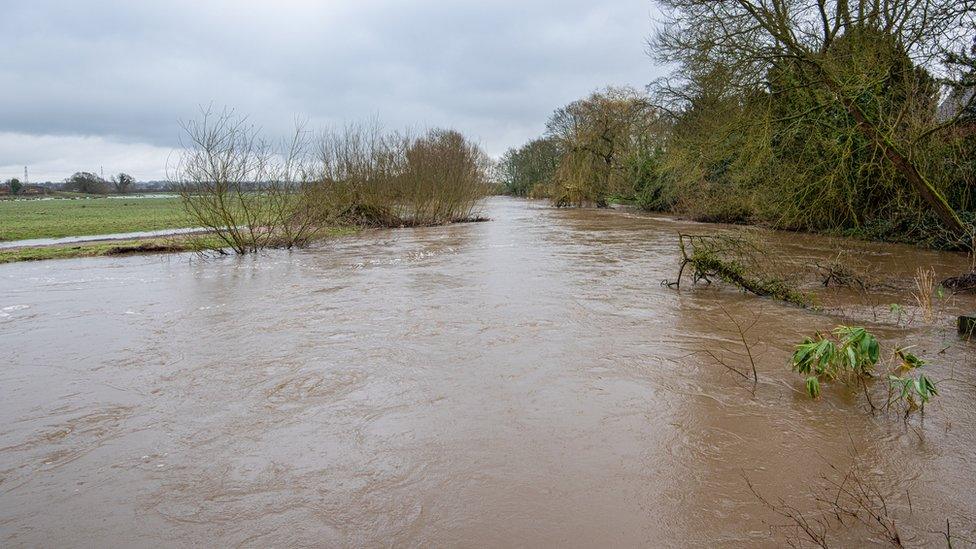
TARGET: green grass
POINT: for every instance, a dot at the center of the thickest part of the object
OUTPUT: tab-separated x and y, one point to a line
27	219
23	219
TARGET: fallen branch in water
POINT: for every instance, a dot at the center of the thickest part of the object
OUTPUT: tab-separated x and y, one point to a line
848	271
848	503
961	284
741	332
736	261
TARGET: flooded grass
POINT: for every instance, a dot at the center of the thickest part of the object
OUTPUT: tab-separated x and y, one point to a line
113	247
170	244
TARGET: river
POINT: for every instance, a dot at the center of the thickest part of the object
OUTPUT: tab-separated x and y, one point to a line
526	381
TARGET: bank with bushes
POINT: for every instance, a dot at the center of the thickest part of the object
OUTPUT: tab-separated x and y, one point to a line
857	120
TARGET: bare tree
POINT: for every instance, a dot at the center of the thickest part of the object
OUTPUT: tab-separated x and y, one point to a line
248	193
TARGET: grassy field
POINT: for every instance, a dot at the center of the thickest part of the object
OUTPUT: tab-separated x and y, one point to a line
27	219
23	219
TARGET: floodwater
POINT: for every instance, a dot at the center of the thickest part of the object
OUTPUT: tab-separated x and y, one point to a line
9	244
521	382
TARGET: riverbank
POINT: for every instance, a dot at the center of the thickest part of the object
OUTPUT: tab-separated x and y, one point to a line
876	232
191	243
148	245
106	225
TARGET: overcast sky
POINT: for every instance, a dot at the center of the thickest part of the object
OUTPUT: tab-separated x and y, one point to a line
91	85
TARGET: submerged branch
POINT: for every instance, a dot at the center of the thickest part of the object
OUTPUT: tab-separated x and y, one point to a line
735	261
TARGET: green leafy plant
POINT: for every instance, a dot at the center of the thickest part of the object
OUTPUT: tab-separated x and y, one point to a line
850	354
847	354
898	310
908	360
916	391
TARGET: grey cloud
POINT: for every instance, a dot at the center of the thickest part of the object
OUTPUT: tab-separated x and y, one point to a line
127	72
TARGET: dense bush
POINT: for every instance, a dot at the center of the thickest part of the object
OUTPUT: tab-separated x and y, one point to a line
369	178
814	119
857	118
86	182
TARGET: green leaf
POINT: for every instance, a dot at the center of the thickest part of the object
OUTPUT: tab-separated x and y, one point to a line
813	386
873	349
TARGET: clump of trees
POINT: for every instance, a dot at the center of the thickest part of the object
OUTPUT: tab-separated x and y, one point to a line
374	178
606	138
15	185
853	116
123	183
90	183
594	149
252	193
86	182
820	115
530	166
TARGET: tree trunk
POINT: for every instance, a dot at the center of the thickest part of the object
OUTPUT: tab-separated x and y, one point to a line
901	162
907	168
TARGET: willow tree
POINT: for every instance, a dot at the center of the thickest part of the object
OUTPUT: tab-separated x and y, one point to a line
599	136
531	165
750	39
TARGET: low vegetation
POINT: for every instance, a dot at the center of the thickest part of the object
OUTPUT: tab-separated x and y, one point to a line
171	244
191	243
847	354
853	506
850	355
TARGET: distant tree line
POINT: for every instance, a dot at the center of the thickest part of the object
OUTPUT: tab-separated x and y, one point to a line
16	187
851	116
89	183
84	182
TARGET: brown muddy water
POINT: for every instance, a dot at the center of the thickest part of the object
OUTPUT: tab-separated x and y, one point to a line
521	382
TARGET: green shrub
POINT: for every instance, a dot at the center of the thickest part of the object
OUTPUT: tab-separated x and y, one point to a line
850	355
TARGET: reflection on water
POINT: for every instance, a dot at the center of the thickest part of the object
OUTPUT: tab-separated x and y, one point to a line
526	381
